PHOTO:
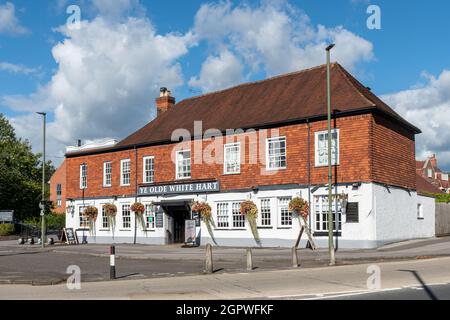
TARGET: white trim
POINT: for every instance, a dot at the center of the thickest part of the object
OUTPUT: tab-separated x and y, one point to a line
104	174
316	148
229	145
176	165
267	153
121	172
143	169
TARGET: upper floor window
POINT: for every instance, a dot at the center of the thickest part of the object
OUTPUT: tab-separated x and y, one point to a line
322	148
232	158
276	153
430	173
83	176
183	165
107	174
149	170
58	195
125	172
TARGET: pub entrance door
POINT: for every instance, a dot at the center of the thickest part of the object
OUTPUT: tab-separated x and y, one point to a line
178	213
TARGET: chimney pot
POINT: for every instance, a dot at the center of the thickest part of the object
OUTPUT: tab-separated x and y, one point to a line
165	101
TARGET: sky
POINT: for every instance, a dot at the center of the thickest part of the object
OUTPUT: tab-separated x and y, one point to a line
97	76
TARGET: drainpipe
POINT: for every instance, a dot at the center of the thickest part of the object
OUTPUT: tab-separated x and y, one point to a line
135	189
309	171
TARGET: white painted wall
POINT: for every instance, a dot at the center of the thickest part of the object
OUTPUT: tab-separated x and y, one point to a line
396	215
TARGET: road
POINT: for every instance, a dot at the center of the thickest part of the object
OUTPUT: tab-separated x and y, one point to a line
431	275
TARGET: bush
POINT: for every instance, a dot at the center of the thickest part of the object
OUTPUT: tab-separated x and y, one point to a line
6	229
55	221
443	198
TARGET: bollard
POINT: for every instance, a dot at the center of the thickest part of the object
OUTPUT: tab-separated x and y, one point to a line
112	262
209	259
294	258
21	241
249	260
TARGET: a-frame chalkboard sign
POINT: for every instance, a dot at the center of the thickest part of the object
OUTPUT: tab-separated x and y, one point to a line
69	236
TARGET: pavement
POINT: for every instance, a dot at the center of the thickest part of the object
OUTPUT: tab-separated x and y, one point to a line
396	279
28	264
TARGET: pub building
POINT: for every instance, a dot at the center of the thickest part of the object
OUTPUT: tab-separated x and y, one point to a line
283	120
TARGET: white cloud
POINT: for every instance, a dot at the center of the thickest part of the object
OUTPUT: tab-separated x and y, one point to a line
8	20
276	37
218	72
428	107
18	68
107	78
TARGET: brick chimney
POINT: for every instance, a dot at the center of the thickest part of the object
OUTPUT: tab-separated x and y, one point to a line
164	102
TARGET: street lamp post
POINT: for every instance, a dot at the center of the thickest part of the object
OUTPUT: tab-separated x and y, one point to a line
330	172
42	206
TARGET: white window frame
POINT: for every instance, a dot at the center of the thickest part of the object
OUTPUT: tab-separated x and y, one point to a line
336	160
177	171
104	220
148	213
280	207
232	211
83	178
430	173
274	139
85	223
420	215
144	169
227	160
105	173
122	162
122	216
323	209
260	215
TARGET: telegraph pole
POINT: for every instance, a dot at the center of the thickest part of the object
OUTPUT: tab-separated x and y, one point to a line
42	206
330	170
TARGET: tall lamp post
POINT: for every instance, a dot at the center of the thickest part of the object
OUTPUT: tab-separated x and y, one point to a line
42	205
330	170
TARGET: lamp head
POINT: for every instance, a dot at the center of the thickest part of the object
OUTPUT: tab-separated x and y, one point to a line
331	46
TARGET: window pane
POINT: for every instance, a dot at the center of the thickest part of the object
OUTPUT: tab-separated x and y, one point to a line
285	215
277	153
266	219
222	215
126	216
238	218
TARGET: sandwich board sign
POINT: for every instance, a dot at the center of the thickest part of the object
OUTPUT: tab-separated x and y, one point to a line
69	236
189	232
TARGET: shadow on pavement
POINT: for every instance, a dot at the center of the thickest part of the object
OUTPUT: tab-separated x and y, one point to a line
423	284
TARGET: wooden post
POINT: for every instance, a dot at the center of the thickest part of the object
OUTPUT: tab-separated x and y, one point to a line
249	260
294	257
209	259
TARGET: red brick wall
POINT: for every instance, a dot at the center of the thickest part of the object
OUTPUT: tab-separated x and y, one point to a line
59	177
357	151
393	154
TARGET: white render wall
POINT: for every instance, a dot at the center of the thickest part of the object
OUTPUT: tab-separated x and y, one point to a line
383	217
397	219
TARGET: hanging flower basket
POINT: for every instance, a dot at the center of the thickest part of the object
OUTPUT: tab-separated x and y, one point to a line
299	207
91	213
205	212
110	211
250	211
139	209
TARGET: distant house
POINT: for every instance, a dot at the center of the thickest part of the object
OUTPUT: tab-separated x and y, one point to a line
58	189
430	171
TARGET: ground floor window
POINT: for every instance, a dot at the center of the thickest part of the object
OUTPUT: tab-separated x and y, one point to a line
266	216
283	211
126	216
229	215
105	220
222	215
238	218
150	216
321	214
84	222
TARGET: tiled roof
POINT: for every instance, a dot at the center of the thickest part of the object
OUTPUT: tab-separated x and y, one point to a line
425	187
283	99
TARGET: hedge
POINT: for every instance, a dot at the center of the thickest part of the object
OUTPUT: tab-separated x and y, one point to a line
6	229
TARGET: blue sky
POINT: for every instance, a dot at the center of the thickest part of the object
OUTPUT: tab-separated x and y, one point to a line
406	62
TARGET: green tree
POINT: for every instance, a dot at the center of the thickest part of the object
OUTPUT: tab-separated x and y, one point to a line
20	174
